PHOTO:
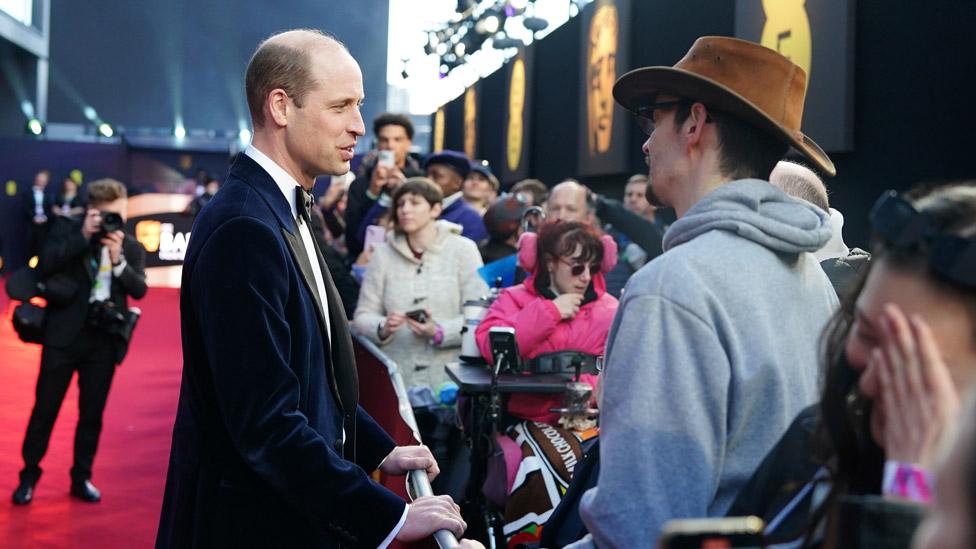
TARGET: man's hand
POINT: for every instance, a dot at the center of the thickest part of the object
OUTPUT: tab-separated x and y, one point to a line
469	544
568	305
91	224
394	178
429	514
404	459
113	241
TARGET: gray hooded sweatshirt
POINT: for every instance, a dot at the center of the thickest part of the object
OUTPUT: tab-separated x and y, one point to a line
712	353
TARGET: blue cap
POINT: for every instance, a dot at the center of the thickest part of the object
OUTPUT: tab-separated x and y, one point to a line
482	167
458	161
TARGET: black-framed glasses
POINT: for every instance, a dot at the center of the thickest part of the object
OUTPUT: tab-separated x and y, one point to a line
645	115
577	269
899	225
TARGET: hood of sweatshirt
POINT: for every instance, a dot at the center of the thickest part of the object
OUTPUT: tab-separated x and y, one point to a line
756	211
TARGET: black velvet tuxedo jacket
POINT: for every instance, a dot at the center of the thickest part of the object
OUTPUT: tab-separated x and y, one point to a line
66	266
258	458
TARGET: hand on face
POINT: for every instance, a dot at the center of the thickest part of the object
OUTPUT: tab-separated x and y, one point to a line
917	397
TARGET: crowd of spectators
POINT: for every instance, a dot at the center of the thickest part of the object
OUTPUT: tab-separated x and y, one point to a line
755	364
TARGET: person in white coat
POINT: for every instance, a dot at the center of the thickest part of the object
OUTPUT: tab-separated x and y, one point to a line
411	304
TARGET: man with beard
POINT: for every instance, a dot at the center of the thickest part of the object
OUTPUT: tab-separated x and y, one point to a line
706	365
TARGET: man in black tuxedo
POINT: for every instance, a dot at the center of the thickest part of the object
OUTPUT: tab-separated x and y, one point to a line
37	211
270	447
89	274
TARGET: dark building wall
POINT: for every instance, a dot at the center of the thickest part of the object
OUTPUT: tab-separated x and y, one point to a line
913	112
139	63
18	80
555	104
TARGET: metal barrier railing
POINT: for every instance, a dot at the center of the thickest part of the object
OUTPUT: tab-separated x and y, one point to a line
418	479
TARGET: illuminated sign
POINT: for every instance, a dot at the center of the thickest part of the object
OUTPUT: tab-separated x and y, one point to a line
604	128
439	130
601	73
516	107
164	236
819	37
172	243
470	122
147	233
787	30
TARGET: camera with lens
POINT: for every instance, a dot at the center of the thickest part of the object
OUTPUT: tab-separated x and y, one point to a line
111	222
105	317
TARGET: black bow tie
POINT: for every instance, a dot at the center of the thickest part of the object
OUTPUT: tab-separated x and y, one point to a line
303	204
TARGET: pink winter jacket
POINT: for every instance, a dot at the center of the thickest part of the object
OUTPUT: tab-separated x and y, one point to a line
538	330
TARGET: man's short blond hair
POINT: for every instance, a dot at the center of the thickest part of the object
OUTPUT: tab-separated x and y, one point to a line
281	65
799	181
106	190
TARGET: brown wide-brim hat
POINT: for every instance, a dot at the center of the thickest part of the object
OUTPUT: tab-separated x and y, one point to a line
742	78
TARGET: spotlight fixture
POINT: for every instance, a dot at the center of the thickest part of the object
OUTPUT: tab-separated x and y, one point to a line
535	24
105	130
179	132
244	135
504	42
35	127
459	49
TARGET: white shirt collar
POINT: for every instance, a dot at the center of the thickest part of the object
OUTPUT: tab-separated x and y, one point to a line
448	200
286	183
834	247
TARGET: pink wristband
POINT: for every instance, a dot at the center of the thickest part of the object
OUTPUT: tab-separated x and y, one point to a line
438	336
907	481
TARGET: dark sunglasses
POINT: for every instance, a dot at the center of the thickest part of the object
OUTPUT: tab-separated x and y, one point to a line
645	115
899	225
577	269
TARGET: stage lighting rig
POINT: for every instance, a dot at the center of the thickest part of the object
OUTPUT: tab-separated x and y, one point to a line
34	127
535	24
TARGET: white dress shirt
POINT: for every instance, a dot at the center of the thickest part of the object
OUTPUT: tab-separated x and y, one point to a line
287	185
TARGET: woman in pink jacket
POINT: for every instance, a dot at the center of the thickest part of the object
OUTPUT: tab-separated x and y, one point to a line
563	305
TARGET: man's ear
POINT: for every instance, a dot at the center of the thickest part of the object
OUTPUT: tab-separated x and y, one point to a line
278	105
695	125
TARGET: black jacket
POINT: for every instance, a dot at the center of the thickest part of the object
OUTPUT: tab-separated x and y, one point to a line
270	447
776	493
68	272
28	206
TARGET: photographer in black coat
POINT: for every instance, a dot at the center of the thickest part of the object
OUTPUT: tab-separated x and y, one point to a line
89	268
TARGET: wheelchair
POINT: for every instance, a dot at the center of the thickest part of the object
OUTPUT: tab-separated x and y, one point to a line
484	391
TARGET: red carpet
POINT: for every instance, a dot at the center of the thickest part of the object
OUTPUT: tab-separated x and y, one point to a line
130	467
